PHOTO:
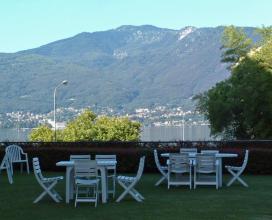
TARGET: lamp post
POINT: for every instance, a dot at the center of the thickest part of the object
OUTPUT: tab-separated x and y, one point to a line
183	126
64	82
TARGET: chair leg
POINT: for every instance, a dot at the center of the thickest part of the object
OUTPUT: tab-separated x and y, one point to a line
76	196
47	190
27	167
242	182
161	180
127	190
236	176
137	193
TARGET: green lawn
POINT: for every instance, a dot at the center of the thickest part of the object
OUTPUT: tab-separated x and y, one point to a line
235	202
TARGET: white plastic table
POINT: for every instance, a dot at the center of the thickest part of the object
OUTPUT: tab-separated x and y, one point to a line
101	165
219	158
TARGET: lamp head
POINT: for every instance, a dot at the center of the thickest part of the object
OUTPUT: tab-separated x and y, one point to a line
64	82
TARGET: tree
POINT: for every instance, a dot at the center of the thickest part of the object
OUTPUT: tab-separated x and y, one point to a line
81	128
241	106
235	44
42	133
117	129
89	127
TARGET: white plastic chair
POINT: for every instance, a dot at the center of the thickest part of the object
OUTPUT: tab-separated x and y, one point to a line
86	178
179	165
209	151
206	170
16	154
80	157
5	165
162	169
129	183
237	171
188	150
112	169
47	184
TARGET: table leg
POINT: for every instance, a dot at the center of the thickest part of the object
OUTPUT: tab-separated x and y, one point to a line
69	184
104	184
220	174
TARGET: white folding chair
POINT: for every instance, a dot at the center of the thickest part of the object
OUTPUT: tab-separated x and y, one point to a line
111	171
16	155
188	150
5	165
129	183
47	184
162	169
206	170
179	165
237	171
86	178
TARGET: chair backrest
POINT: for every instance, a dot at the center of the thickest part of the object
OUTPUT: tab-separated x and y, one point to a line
157	162
140	168
85	168
105	157
14	152
179	163
205	163
245	160
80	157
37	169
210	151
188	150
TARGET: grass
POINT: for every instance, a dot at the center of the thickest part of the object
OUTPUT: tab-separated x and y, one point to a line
235	202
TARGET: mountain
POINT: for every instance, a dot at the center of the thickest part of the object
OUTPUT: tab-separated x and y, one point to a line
126	67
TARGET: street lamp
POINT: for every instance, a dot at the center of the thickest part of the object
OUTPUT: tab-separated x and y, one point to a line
183	126
64	82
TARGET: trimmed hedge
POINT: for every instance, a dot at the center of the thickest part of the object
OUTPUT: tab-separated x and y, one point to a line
128	153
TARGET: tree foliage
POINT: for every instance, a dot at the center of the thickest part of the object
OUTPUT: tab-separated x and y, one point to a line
235	44
81	128
114	128
241	106
89	127
42	133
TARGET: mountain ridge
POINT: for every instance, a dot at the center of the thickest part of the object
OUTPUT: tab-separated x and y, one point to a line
126	67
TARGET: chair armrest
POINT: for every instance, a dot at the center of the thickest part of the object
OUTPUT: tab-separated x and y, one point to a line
25	154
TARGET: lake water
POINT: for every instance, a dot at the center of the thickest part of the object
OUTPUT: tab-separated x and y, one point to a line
163	133
175	133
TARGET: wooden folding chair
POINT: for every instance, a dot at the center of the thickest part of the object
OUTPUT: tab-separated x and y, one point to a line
237	171
129	183
47	184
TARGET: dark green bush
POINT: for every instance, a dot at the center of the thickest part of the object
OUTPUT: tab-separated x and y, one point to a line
128	153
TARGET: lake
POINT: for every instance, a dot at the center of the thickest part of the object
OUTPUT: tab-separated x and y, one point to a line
162	133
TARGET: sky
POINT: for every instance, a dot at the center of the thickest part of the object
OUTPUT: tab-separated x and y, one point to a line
26	24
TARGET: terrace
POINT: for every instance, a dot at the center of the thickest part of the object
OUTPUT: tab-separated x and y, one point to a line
235	202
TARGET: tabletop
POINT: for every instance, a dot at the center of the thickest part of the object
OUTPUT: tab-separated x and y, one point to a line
218	155
70	163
